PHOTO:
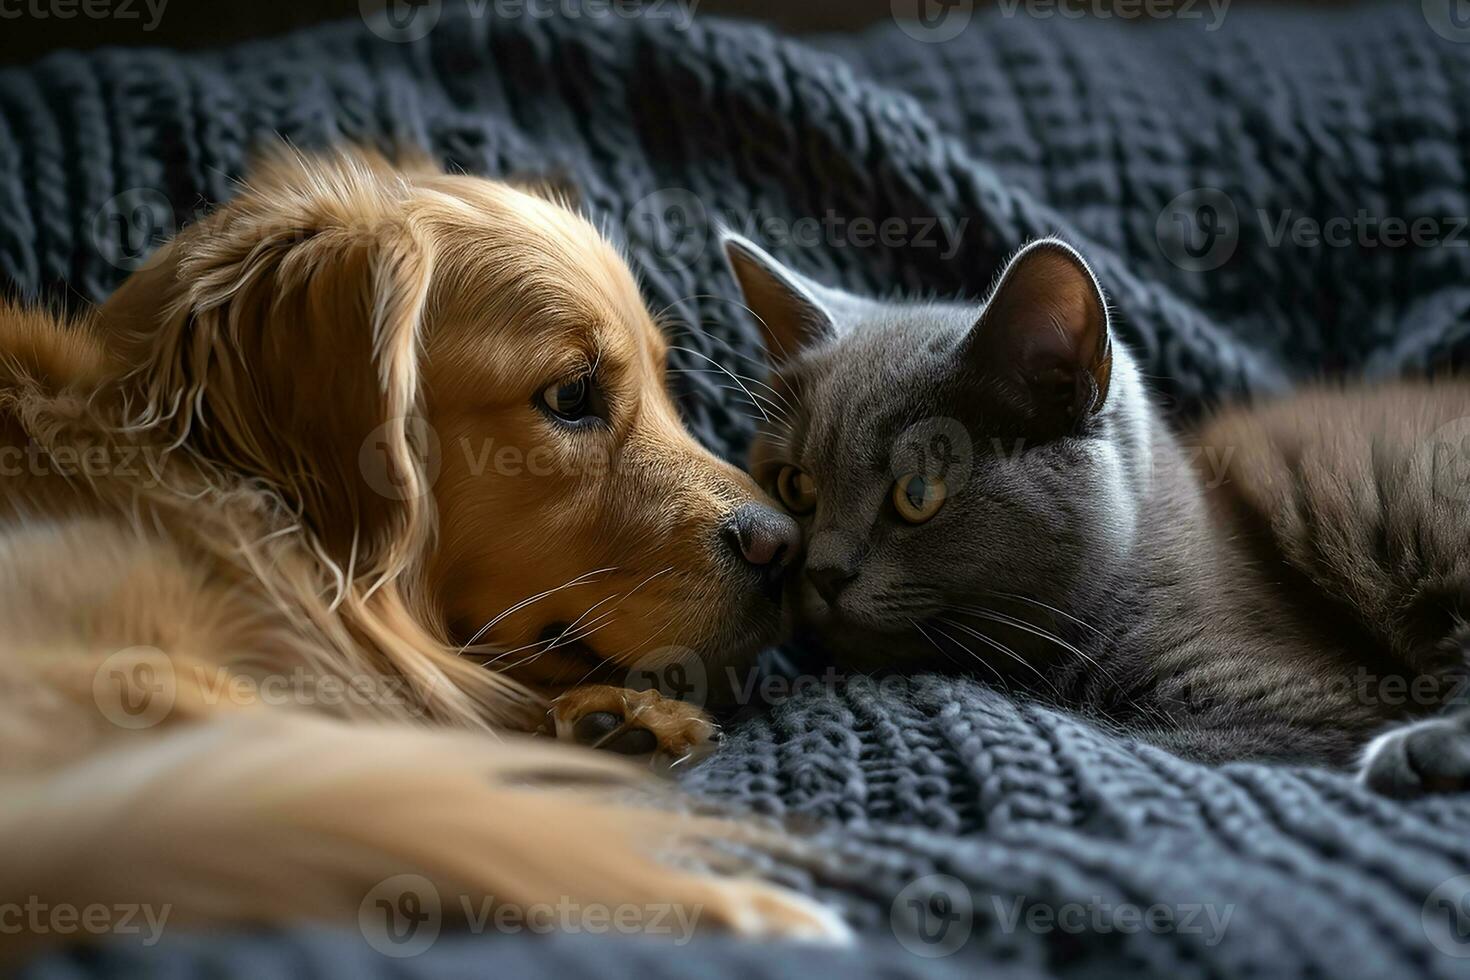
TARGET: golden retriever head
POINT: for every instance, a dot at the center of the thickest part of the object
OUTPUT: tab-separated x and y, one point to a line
457	386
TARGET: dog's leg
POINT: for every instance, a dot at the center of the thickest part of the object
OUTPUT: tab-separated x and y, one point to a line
633	723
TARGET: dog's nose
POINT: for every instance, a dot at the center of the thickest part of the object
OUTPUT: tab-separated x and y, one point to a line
763	536
830	580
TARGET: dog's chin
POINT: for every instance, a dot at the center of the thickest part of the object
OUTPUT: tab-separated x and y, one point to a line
738	638
702	664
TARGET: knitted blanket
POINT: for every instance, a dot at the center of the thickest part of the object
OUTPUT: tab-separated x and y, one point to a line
1275	199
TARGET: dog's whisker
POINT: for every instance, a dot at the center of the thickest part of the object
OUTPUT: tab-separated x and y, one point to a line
588	675
592	626
571	633
585	613
624	597
579	580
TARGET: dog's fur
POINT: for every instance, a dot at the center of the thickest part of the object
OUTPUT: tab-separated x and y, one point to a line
270	463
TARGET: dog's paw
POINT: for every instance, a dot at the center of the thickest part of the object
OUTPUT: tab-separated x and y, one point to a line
630	722
1426	757
757	910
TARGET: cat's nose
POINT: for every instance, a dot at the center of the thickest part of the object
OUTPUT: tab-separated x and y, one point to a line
830	580
763	536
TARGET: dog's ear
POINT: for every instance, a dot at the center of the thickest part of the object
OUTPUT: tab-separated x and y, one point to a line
556	185
279	338
1043	340
793	311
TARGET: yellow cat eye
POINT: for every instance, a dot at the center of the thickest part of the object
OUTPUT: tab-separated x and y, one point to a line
797	491
918	498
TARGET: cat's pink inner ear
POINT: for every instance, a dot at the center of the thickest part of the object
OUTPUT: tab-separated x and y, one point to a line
790	316
1047	326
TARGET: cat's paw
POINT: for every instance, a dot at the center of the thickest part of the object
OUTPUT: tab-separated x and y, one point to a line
1420	759
629	722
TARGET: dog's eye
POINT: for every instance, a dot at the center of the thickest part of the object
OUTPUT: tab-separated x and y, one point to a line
569	400
798	492
918	498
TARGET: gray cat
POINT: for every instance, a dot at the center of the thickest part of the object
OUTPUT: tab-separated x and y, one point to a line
991	488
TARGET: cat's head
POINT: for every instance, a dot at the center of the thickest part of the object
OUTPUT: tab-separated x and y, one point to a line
942	456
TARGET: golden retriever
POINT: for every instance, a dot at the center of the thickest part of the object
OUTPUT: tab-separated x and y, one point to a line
268	515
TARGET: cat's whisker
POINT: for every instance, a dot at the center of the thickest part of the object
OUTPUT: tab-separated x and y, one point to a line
1018	597
1032	628
1028	627
1020	624
1000	647
932	642
975	656
1000	679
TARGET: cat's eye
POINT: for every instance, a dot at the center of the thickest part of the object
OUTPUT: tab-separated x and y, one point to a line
798	492
568	400
918	498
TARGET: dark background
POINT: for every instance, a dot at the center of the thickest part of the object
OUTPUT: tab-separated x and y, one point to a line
25	35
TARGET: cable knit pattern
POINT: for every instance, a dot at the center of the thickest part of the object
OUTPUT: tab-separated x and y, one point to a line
1018	127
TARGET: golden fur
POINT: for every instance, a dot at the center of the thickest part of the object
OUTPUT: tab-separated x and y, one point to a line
256	478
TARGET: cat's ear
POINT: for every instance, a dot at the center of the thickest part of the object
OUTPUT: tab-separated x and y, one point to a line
1043	339
788	306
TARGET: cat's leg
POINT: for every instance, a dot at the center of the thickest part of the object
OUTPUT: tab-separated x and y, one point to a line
1352	491
1430	755
1258	739
1419	759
